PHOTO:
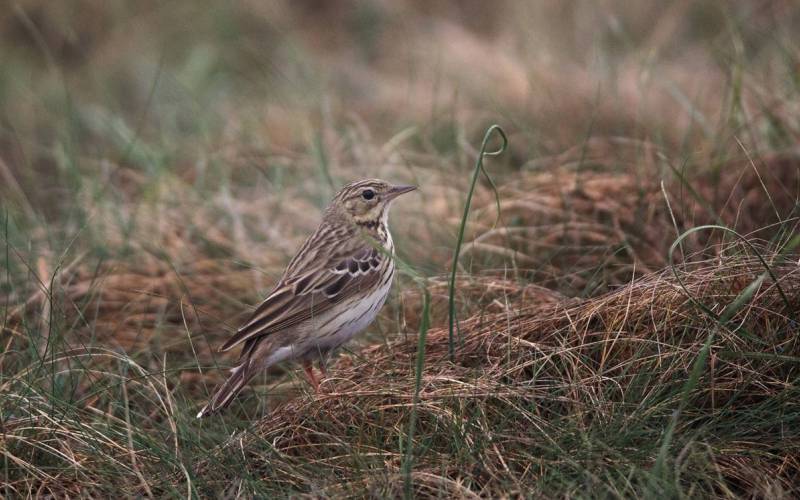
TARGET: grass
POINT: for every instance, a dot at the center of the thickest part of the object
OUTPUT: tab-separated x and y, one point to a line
624	288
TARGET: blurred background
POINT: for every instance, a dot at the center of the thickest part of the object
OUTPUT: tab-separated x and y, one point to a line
230	124
160	162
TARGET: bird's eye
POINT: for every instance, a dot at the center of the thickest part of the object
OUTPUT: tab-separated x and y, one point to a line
368	194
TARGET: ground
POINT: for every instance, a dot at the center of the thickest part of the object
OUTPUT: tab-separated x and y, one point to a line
626	290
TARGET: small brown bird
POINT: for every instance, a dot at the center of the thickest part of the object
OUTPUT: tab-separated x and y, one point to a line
332	289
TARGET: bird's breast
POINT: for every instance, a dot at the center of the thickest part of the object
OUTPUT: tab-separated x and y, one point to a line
340	324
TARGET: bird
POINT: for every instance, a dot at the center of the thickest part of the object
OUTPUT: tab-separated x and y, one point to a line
331	290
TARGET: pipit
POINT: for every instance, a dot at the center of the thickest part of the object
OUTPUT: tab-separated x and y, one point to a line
332	290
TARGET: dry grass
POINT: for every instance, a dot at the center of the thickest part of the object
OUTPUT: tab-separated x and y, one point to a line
160	163
609	368
592	218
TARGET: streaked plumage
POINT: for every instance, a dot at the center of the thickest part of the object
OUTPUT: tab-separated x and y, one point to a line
332	289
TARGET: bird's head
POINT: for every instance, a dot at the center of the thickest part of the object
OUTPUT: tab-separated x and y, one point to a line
366	202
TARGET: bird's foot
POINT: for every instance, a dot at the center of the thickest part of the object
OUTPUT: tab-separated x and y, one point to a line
309	369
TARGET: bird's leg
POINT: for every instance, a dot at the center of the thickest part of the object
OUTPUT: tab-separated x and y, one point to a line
323	367
309	368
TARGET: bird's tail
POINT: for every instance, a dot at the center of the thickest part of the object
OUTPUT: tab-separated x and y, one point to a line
227	391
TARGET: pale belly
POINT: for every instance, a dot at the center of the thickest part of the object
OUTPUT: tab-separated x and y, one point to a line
330	330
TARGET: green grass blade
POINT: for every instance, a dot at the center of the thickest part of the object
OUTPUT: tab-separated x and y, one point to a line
408	459
475	174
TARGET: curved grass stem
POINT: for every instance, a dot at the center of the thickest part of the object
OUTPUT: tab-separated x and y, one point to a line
475	174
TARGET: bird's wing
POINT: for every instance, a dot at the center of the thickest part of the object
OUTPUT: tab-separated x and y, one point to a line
321	278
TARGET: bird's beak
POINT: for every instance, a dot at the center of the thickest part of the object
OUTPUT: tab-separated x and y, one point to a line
396	191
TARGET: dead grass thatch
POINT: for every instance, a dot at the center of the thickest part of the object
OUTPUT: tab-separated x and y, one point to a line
615	360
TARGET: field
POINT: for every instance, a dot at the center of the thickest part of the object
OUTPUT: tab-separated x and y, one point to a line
626	289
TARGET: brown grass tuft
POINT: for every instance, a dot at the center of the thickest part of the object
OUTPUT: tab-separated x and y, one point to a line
605	359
